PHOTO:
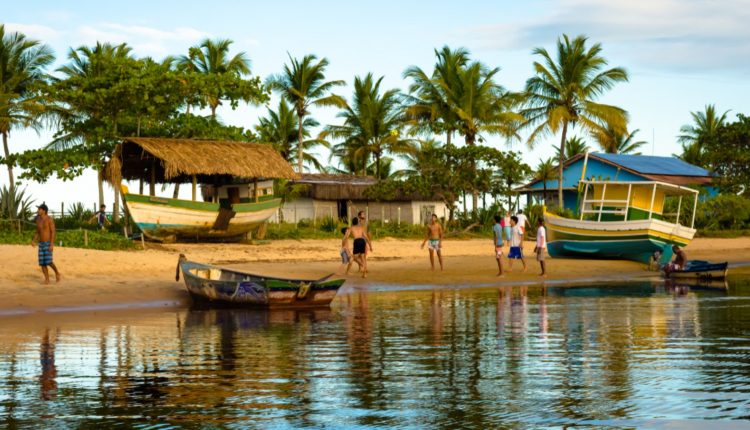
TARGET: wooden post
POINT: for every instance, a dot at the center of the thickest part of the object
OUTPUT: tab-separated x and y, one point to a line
653	197
601	201
349	214
255	190
143	242
399	215
195	187
152	183
382	214
695	208
85	238
315	215
627	203
679	206
62	210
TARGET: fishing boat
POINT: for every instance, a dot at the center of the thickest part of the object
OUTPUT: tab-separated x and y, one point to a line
701	270
219	286
236	182
621	220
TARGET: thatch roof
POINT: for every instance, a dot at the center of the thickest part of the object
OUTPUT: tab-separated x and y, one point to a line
324	186
176	160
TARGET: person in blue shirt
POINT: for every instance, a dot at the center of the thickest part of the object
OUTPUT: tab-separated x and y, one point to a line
101	217
497	240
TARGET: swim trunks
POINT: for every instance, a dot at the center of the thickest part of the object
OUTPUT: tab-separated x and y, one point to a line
540	254
433	244
344	256
360	245
515	253
498	252
45	254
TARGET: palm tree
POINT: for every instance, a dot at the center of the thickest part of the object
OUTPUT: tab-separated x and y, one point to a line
419	158
88	65
427	103
211	57
614	142
562	94
573	146
303	85
705	126
22	64
372	123
544	172
279	128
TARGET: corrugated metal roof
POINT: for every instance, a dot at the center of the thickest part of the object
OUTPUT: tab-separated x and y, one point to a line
648	164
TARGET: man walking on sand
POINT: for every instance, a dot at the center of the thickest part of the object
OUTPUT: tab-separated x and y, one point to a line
541	245
45	237
434	240
497	241
516	242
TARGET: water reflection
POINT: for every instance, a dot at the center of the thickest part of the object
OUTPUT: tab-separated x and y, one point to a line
645	355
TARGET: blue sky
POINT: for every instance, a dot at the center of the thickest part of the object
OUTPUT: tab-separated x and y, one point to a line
681	54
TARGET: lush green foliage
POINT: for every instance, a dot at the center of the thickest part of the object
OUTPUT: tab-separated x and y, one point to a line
728	155
703	131
15	204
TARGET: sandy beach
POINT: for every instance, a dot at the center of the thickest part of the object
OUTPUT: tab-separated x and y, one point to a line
110	279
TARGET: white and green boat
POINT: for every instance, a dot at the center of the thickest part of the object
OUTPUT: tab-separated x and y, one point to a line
235	180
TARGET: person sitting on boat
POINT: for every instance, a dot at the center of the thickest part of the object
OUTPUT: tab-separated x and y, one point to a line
679	262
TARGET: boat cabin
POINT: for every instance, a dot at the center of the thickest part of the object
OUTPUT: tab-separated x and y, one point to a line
633	200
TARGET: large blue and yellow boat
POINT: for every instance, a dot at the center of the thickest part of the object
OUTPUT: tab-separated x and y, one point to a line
622	220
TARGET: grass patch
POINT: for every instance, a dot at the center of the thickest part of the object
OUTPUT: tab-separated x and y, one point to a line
73	239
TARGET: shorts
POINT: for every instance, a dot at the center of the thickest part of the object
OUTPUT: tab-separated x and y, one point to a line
515	253
498	252
345	256
433	244
540	254
360	246
506	231
45	254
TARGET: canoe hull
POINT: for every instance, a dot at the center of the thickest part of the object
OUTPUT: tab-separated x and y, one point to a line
701	271
163	218
214	286
621	240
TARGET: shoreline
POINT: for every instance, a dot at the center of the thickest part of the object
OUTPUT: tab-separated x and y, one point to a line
110	280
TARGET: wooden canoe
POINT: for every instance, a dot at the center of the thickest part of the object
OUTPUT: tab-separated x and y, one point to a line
213	285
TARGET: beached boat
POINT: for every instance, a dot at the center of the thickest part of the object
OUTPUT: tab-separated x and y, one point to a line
621	220
235	178
701	270
225	287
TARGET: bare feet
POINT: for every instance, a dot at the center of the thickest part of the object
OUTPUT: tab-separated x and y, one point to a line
500	275
57	277
46	282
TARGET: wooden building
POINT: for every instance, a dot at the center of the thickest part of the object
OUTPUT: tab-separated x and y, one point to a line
343	196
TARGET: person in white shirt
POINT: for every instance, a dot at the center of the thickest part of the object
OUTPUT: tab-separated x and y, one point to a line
522	220
516	240
541	244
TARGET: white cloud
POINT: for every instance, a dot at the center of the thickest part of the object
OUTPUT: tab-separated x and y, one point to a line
689	35
33	31
144	40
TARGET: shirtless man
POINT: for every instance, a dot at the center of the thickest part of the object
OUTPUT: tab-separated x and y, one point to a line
360	245
45	237
435	239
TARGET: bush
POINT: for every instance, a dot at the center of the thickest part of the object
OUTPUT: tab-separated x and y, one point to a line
329	224
723	212
15	206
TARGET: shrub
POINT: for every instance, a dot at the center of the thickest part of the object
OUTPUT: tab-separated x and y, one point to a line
329	224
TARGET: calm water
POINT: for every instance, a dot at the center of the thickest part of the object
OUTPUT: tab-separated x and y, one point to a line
637	355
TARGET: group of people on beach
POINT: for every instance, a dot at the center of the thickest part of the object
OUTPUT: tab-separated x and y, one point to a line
508	231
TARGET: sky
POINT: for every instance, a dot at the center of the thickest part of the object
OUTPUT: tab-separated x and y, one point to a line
680	54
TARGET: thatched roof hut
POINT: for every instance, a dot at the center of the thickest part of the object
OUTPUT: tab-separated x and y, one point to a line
324	186
177	160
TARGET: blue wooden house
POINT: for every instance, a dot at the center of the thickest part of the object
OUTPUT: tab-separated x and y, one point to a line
614	167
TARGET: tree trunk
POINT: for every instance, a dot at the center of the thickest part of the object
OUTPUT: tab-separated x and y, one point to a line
176	192
377	166
11	183
213	111
140	186
300	150
463	193
448	137
100	183
560	165
469	139
116	205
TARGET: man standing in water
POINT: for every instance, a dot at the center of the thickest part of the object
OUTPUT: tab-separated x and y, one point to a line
45	237
434	240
